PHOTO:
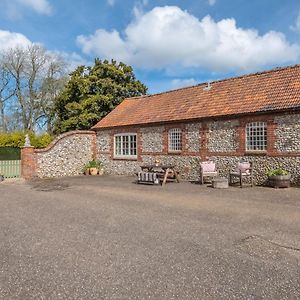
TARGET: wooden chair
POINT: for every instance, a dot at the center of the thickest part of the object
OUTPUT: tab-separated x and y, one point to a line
207	169
244	170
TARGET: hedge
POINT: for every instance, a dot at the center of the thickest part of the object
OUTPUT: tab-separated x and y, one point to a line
10	153
17	139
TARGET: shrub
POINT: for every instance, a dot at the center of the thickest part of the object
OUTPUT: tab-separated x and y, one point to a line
10	153
17	139
277	172
93	164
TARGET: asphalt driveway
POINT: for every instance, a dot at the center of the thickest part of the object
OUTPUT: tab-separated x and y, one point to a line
107	238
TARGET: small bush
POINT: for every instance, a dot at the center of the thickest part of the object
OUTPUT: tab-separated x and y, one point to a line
93	164
17	139
277	172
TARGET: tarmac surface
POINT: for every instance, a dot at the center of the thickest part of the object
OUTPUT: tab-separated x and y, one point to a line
108	238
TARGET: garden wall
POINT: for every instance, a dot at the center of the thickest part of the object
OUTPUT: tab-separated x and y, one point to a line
65	156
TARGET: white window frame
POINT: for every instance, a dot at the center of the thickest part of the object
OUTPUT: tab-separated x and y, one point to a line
175	140
121	154
259	140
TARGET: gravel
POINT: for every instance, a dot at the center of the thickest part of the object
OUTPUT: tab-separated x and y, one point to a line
108	238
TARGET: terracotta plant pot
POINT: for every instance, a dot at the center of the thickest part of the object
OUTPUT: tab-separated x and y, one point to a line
87	172
280	181
93	171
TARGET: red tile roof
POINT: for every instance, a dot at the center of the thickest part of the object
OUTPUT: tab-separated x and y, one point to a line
278	89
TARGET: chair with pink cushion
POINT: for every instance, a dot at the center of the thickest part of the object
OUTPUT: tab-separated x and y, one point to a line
244	170
207	169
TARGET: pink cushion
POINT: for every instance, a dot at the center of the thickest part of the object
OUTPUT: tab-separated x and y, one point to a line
244	167
208	166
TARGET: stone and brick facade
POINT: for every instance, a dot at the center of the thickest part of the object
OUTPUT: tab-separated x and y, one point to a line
222	141
213	123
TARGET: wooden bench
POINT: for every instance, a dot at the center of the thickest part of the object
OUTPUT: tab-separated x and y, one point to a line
148	177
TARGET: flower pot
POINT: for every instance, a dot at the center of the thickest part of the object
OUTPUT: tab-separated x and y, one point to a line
86	172
93	171
280	181
101	171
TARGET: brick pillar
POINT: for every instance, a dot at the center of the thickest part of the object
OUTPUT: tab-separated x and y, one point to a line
28	162
271	140
94	146
204	141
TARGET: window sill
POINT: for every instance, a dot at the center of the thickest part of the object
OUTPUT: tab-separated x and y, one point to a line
175	152
133	158
256	153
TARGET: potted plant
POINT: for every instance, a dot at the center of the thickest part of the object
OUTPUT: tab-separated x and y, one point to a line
93	167
279	178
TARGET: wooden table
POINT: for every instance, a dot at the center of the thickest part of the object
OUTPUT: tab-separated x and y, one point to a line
167	172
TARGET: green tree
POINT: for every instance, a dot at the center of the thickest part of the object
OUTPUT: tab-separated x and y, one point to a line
92	92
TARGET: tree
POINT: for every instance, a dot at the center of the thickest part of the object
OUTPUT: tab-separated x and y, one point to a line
37	77
6	92
92	92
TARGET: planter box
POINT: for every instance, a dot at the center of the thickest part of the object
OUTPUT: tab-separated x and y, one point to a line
93	171
280	181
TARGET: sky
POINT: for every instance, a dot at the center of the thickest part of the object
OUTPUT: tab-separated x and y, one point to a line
170	44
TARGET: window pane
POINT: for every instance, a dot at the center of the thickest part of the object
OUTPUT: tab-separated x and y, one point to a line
175	139
125	145
256	136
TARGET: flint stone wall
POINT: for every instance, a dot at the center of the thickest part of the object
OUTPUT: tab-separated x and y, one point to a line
193	137
223	136
287	133
103	141
152	139
187	165
261	165
66	156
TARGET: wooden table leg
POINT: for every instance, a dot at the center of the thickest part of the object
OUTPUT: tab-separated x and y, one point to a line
165	177
176	176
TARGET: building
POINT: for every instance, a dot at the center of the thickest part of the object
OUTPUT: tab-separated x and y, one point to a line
254	117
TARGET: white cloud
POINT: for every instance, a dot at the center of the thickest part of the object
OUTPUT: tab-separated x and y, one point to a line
9	40
14	8
111	2
296	26
168	36
40	6
212	2
73	60
179	83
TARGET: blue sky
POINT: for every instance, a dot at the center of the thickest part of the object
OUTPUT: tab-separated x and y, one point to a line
169	43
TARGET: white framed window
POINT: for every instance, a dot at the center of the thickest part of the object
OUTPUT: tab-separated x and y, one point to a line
175	140
256	136
125	145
